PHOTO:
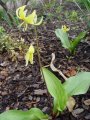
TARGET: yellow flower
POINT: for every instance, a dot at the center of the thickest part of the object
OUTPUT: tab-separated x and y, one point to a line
29	19
65	28
21	13
29	55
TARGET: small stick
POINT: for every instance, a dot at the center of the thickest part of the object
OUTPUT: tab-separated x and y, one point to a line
55	69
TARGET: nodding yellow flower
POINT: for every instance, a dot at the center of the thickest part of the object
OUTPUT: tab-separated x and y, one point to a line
21	13
65	28
29	19
29	55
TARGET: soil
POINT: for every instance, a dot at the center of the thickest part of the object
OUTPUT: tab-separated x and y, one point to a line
22	87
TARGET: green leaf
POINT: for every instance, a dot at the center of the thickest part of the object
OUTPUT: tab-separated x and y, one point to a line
78	84
32	114
63	36
56	90
77	40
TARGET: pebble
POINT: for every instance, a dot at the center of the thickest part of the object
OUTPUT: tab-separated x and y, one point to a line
44	109
77	111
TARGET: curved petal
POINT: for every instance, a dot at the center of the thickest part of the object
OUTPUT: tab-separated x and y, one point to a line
31	58
31	49
32	18
65	28
39	21
21	13
29	55
27	58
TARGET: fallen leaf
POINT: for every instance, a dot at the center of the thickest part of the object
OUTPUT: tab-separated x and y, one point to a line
70	104
71	72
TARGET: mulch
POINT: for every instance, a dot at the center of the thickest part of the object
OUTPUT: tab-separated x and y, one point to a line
22	87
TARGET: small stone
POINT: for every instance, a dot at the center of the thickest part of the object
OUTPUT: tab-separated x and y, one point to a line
77	111
44	109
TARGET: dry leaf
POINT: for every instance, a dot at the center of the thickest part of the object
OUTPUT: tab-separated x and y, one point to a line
71	72
70	104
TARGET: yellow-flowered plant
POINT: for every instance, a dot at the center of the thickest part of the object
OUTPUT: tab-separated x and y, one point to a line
66	43
27	19
65	28
29	55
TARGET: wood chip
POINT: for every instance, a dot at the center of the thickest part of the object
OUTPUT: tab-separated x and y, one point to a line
40	92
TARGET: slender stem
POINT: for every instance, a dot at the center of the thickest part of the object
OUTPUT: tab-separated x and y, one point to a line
38	53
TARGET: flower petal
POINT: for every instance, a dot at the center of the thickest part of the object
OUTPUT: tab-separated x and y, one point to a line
39	21
31	58
29	55
21	13
65	28
27	58
30	18
31	49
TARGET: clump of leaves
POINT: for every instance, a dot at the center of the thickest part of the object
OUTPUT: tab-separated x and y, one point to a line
73	16
62	93
7	43
71	45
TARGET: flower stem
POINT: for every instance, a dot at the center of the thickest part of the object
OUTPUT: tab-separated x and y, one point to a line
38	53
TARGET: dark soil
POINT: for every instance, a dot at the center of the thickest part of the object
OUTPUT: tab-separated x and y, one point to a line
22	87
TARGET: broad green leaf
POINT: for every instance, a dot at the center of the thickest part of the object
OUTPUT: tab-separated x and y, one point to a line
78	84
63	36
32	114
56	90
77	40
